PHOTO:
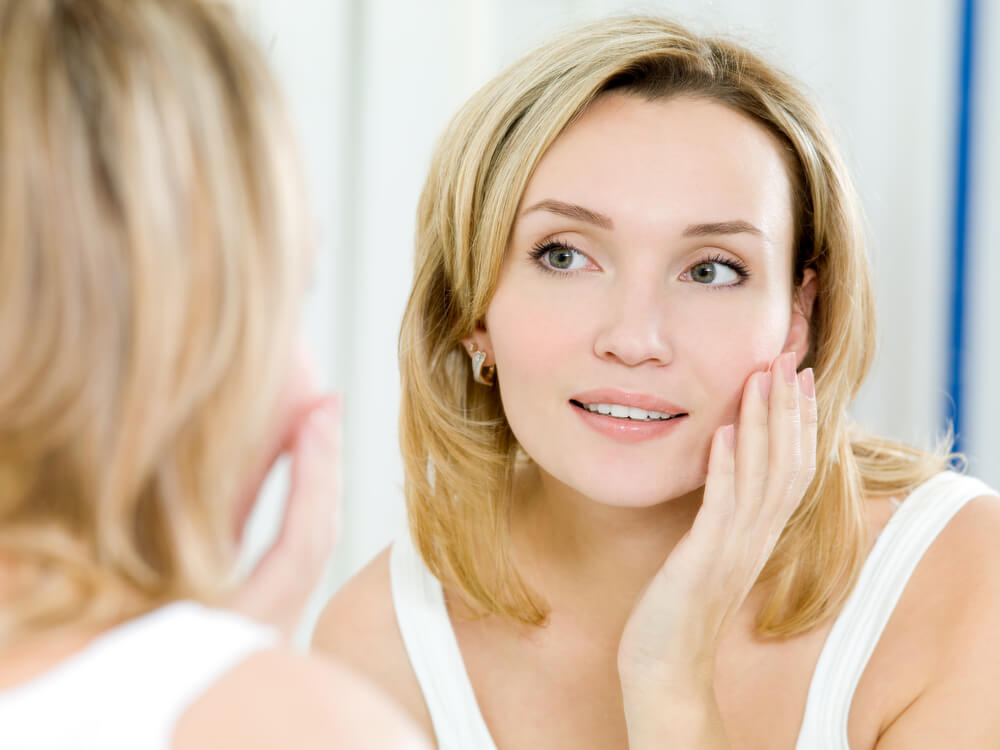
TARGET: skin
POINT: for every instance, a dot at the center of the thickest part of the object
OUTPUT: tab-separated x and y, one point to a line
648	552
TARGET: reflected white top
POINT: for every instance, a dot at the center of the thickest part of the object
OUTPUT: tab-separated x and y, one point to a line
128	687
458	723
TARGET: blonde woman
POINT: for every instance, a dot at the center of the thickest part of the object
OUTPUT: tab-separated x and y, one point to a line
153	249
641	518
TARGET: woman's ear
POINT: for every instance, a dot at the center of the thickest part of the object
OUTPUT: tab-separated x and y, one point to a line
801	320
479	341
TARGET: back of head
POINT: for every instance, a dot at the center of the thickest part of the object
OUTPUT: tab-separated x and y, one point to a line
152	246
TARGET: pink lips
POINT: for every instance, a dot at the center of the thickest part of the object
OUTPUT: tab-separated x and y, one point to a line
627	430
625	398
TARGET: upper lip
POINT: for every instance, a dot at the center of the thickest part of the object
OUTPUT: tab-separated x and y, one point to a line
627	398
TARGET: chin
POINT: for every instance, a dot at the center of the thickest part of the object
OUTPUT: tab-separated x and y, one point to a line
636	490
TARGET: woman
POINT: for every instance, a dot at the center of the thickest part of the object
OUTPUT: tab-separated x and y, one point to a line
640	520
153	249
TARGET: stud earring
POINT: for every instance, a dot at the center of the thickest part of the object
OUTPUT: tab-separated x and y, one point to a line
480	373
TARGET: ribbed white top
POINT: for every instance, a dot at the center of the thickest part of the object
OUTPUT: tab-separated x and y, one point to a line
127	689
458	723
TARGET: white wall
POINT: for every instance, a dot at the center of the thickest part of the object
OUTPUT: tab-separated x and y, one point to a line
373	82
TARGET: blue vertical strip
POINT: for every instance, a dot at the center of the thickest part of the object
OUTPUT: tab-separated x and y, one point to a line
961	217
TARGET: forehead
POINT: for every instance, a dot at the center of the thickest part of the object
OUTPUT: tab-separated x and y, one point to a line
668	162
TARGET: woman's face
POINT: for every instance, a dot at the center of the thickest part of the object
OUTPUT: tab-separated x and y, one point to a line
648	274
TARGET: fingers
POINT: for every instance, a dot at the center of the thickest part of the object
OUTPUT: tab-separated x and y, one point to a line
312	512
784	431
279	586
719	500
790	457
752	449
810	419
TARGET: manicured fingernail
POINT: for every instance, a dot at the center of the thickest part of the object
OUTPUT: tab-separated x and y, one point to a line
729	435
808	383
764	383
787	365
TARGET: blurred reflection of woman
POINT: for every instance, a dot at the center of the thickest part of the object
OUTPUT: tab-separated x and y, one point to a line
153	249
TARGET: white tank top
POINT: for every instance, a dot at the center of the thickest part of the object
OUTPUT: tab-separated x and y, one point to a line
128	687
458	723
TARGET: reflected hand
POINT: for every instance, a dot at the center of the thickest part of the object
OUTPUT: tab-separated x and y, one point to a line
277	589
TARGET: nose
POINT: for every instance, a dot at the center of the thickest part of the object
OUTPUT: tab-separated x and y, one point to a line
636	329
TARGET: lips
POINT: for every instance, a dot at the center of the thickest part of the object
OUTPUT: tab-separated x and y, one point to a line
627	417
627	405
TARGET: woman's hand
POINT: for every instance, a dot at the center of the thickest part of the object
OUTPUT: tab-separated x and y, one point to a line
757	476
277	589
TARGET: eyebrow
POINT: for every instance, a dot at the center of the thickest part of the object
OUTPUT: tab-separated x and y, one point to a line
580	213
572	211
723	227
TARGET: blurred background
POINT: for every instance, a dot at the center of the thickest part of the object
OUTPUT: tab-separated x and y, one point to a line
910	87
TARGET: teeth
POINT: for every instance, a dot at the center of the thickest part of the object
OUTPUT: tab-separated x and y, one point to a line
627	412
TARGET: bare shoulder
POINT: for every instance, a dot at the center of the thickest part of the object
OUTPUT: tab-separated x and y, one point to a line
277	698
962	567
358	628
952	610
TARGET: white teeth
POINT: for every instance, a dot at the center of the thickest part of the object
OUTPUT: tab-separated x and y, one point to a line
634	413
627	412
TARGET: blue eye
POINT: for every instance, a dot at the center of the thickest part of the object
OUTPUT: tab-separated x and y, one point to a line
718	272
708	273
561	258
557	256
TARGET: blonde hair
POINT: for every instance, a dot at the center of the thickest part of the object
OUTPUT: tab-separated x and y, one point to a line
458	448
152	250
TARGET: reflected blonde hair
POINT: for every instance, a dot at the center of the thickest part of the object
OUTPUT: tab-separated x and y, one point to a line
458	449
152	250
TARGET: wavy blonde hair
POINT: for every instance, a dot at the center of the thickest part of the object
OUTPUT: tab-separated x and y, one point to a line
458	449
152	251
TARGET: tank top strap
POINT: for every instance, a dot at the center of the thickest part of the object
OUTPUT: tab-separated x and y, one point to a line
913	527
434	653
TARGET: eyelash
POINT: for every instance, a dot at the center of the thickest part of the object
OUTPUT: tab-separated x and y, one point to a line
738	266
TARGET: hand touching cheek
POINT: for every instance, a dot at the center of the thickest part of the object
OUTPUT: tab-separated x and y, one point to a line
759	470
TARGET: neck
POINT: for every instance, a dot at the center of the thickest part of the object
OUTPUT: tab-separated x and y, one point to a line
590	559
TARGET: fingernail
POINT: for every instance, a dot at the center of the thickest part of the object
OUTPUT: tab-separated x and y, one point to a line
326	416
729	435
788	367
764	383
808	383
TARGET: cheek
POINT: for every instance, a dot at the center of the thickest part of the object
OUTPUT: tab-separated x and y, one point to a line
725	347
529	333
535	338
299	393
301	388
